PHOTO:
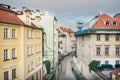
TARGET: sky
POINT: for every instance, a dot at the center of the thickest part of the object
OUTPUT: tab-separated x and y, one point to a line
68	12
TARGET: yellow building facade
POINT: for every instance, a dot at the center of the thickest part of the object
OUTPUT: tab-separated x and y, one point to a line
20	47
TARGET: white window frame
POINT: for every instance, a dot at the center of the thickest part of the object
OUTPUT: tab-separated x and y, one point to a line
6	33
7	75
117	62
106	50
14	53
117	50
13	74
106	62
13	33
6	54
98	50
98	37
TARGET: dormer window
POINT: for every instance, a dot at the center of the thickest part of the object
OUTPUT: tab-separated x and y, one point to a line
114	23
107	23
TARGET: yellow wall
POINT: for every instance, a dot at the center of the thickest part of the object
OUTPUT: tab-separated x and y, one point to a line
9	44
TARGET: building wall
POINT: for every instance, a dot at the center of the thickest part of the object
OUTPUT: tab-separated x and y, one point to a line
9	44
86	50
33	61
49	24
112	44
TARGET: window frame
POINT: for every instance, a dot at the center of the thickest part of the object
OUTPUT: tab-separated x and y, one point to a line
98	37
6	54
98	50
6	33
6	75
106	50
13	73
13	33
107	37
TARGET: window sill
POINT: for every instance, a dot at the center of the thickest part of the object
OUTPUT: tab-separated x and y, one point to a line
14	58
29	38
38	38
38	52
107	55
14	38
29	55
6	38
98	55
117	55
7	60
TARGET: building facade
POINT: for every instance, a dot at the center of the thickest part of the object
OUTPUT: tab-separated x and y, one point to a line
21	48
49	24
66	40
99	41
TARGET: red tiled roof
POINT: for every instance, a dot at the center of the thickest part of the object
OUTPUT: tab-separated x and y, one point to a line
116	72
105	17
8	16
66	29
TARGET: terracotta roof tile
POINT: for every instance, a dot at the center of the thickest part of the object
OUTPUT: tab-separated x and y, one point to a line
104	17
9	17
66	29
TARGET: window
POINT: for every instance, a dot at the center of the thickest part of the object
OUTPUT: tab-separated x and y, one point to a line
106	50
117	62
5	32
27	19
28	67
117	50
13	74
107	23
37	34
117	37
6	75
106	37
98	37
106	62
36	76
14	53
32	77
28	34
37	48
98	51
32	65
32	49
13	33
5	54
114	23
28	51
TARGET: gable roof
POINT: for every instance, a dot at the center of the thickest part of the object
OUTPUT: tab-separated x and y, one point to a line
97	25
9	16
66	29
101	22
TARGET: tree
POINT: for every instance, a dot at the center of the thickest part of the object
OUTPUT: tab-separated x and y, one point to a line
93	65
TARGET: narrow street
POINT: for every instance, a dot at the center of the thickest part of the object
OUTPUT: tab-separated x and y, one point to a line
64	70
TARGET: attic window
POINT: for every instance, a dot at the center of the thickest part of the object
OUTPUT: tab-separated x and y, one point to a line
107	23
114	23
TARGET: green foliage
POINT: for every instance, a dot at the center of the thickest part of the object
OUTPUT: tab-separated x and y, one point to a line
93	65
47	64
105	66
117	65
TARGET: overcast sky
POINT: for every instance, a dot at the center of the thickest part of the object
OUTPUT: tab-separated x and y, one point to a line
69	11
